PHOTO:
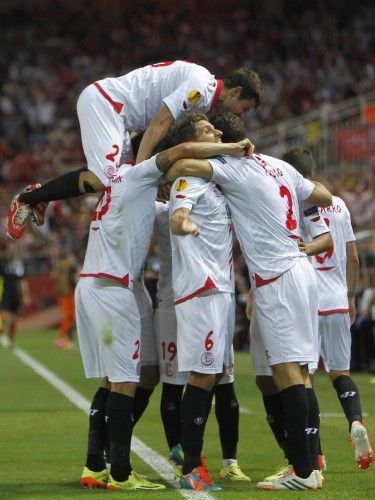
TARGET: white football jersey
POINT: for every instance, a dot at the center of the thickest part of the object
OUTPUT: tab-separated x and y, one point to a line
201	264
164	287
331	266
122	224
263	194
181	85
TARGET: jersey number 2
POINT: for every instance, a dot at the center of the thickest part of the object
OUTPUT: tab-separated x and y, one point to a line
290	222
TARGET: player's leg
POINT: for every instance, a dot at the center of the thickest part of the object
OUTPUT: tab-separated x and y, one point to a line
149	376
227	409
102	133
270	394
227	413
336	348
201	346
95	474
173	382
288	339
110	349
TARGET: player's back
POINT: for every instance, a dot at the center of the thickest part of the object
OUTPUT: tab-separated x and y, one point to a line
143	90
331	265
263	194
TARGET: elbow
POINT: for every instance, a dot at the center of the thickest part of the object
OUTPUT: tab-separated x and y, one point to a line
326	200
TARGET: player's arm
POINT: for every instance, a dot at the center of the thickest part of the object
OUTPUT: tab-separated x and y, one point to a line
154	133
189	152
249	305
318	245
352	266
189	167
320	196
182	224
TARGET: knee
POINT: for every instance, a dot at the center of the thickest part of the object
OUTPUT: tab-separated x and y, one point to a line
89	182
149	378
266	385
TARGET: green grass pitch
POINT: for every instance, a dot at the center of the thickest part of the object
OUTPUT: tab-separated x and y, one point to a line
43	435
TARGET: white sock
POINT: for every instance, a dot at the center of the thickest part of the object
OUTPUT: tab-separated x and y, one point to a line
229	461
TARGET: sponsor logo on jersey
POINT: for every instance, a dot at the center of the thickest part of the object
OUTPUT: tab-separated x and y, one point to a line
181	185
220	158
207	358
194	96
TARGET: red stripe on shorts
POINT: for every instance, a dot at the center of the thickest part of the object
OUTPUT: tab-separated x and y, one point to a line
117	106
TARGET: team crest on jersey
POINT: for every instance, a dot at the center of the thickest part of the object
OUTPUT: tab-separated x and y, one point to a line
207	358
194	96
181	185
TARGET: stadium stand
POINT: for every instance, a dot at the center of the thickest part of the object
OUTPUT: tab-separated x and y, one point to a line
320	92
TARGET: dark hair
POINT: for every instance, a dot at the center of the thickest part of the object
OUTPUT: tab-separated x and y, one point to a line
231	126
249	80
301	159
184	128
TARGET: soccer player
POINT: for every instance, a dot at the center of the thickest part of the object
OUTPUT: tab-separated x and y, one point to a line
313	227
337	273
263	195
14	291
108	110
203	289
226	404
108	321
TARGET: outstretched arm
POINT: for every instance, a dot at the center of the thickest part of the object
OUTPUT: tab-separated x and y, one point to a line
200	150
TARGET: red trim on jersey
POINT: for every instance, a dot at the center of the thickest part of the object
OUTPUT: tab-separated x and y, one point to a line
209	285
180	196
217	94
124	280
324	268
315	219
117	106
259	281
294	236
333	311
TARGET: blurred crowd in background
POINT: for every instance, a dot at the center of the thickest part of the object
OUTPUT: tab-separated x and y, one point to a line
309	55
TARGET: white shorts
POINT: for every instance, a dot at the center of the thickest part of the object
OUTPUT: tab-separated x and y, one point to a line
205	328
149	354
286	311
166	338
257	352
335	341
103	134
108	327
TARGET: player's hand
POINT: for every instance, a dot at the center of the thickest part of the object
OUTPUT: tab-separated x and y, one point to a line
303	247
188	226
352	310
243	148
